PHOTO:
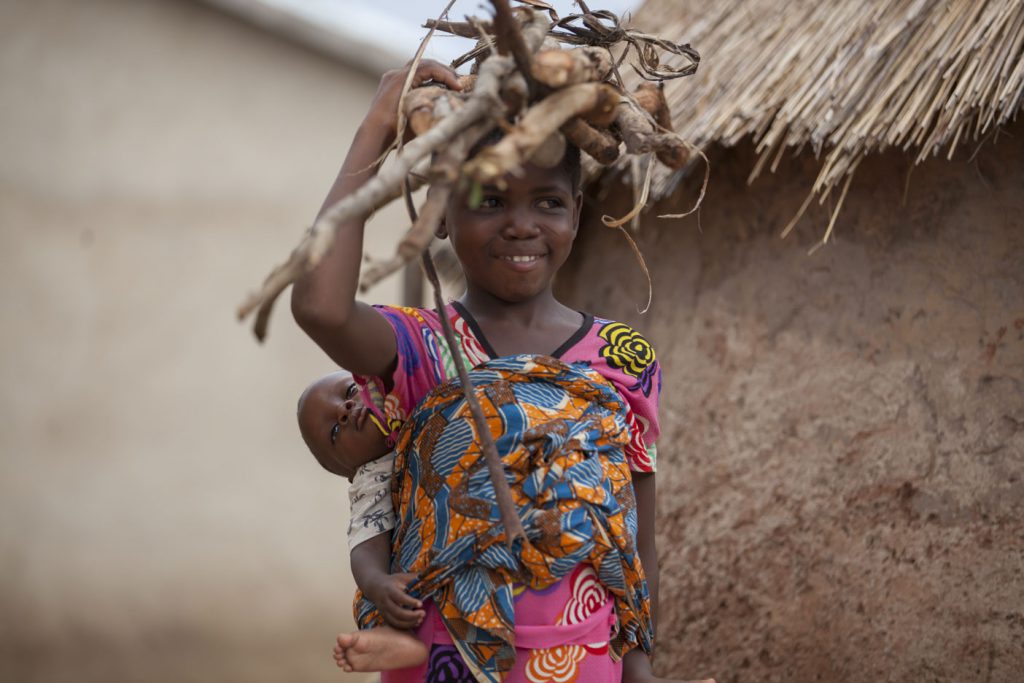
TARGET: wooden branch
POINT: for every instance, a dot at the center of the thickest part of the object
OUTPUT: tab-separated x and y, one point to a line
447	167
539	122
483	103
502	494
421	108
426	105
445	174
651	98
597	142
638	131
416	239
550	152
559	68
463	29
509	37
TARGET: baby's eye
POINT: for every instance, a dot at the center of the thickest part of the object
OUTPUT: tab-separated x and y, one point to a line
351	391
550	203
490	203
334	432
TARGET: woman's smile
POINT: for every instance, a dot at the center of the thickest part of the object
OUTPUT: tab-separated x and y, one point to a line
522	262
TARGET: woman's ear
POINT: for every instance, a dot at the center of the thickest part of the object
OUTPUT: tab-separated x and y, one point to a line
441	231
577	208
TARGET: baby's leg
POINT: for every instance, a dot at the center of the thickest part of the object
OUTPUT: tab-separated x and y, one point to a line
379	649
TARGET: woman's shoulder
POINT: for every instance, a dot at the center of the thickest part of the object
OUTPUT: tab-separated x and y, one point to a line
623	345
408	314
619	352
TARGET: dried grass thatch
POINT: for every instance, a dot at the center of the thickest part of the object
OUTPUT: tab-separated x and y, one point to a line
844	78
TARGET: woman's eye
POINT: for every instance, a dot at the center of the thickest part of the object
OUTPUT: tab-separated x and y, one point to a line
334	432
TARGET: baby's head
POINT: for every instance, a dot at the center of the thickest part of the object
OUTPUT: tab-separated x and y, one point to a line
336	425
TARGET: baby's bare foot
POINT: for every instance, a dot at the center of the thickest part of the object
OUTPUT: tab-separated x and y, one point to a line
378	649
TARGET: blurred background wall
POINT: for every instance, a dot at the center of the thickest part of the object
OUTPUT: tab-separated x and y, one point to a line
159	516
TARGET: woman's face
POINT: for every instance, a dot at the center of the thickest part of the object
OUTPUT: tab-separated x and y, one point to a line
336	425
512	244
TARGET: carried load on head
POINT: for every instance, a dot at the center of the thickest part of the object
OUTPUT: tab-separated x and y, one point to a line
544	81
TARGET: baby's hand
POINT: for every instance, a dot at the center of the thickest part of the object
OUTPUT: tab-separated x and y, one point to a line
399	609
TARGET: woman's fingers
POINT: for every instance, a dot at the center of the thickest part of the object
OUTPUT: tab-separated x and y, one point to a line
430	70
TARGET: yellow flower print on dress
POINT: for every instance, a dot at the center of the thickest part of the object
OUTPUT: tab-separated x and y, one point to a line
630	352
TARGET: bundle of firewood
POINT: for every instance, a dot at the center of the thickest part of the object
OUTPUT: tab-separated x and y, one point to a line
546	81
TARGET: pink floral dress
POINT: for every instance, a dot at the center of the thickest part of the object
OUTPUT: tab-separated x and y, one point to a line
563	630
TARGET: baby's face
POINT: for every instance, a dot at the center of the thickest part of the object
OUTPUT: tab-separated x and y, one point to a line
336	425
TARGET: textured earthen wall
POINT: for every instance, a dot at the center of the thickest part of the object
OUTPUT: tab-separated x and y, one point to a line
840	482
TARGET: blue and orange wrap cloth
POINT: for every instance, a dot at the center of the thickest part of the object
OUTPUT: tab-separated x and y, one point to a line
560	430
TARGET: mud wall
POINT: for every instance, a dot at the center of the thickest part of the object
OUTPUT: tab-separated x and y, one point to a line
841	473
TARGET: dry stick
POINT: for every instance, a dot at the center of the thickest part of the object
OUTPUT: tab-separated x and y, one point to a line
411	74
447	171
539	122
651	99
620	224
462	29
799	214
293	267
559	68
839	205
703	188
444	173
597	142
637	130
434	206
502	494
421	106
509	38
418	237
315	243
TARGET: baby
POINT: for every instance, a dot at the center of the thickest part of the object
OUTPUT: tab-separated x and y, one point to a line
347	439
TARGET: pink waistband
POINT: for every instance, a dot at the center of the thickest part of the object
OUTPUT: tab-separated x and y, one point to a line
594	629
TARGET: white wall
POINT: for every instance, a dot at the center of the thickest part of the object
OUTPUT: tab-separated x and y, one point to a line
159	517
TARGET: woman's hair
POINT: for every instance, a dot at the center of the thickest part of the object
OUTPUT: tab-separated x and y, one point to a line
570	163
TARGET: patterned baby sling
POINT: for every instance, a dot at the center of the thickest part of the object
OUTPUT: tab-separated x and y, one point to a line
560	430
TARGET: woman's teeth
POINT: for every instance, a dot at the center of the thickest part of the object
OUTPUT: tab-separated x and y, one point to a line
521	259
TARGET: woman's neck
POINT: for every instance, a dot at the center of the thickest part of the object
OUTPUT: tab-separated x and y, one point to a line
533	312
541	325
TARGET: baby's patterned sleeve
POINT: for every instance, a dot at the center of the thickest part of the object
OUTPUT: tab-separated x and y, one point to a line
369	495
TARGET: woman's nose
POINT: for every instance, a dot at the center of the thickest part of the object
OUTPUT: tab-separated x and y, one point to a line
344	410
520	225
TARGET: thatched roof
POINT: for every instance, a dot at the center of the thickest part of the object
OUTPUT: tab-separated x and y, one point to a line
845	78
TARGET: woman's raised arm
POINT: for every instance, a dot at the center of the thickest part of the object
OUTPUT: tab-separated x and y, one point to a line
324	302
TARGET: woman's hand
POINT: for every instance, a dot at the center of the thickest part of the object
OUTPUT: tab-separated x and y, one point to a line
383	113
399	609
